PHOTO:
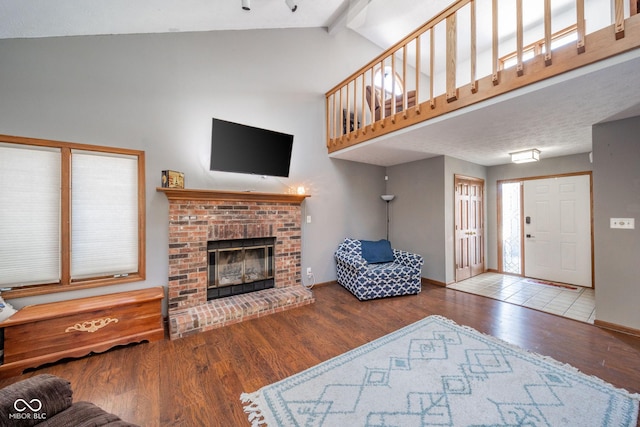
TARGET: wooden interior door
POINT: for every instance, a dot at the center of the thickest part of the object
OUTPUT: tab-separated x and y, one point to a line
469	227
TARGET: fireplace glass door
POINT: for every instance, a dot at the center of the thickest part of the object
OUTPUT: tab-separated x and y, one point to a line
230	267
240	266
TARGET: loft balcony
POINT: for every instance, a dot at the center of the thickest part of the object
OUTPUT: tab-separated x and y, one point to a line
471	52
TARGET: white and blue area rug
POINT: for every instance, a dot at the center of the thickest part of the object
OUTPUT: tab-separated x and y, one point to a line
436	373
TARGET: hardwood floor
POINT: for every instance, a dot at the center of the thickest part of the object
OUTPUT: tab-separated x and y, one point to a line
197	381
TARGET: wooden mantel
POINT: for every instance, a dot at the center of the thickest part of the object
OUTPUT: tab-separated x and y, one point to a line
193	194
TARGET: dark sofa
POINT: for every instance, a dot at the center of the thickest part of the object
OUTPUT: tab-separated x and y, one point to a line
46	401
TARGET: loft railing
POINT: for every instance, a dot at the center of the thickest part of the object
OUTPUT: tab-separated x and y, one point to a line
435	69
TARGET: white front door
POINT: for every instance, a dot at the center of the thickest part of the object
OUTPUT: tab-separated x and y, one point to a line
557	229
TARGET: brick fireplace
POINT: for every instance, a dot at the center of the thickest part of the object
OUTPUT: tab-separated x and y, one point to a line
199	217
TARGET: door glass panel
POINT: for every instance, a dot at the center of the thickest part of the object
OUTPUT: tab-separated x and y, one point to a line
511	245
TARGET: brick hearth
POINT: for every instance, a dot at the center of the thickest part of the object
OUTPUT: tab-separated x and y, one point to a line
238	308
199	216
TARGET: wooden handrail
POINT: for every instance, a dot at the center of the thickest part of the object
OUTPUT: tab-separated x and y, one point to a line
360	108
416	33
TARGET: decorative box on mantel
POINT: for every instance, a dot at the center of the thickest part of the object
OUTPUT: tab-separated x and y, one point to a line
198	217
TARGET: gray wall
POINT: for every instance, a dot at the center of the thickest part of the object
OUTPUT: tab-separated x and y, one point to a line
417	212
159	92
422	214
545	167
616	194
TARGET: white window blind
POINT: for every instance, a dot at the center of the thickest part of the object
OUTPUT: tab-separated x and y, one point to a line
29	215
104	214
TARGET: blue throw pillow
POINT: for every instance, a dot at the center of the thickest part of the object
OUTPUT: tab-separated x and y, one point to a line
376	252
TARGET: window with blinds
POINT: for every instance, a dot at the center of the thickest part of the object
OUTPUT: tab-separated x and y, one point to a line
29	215
71	216
104	214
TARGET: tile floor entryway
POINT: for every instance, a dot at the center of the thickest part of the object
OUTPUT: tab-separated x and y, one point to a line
578	304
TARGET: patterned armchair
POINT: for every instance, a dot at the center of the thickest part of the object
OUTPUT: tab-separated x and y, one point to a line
396	274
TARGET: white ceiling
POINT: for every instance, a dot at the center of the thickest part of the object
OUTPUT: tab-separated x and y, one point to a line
555	116
51	18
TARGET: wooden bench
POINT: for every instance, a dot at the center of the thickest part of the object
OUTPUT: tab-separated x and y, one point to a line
46	333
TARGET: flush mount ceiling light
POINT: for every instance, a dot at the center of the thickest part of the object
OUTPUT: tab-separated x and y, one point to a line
291	4
526	156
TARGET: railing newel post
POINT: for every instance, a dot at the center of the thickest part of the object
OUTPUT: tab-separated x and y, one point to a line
547	32
580	26
452	49
519	38
474	80
619	16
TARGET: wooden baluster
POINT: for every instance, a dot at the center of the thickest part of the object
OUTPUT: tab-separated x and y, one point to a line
519	37
547	32
339	123
404	81
619	13
452	48
393	88
336	118
355	109
346	116
373	100
581	27
328	115
383	95
362	125
474	77
494	42
418	60
432	50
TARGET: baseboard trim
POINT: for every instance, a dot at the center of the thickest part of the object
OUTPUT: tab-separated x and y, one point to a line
615	327
331	282
424	280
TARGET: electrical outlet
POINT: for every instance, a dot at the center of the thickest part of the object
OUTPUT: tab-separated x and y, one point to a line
309	271
628	223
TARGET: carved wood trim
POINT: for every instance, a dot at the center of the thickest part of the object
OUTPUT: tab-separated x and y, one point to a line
91	325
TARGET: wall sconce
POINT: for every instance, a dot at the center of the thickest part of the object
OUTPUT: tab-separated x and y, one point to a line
525	156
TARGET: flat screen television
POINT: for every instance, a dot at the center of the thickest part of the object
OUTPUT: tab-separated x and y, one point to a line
246	149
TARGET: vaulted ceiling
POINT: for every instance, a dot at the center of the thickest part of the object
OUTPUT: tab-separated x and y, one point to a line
554	116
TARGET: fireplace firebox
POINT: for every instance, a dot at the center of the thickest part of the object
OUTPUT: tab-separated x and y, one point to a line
240	266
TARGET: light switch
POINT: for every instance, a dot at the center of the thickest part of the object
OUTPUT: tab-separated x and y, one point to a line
308	219
626	223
